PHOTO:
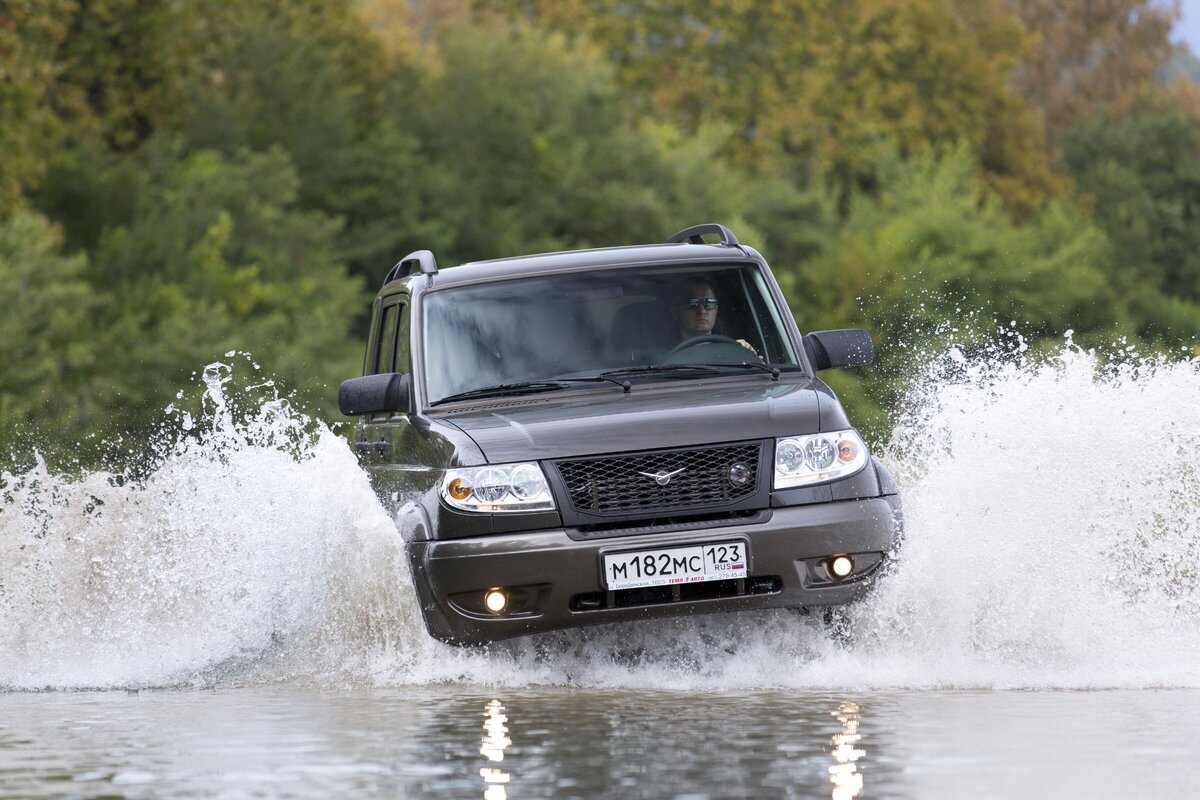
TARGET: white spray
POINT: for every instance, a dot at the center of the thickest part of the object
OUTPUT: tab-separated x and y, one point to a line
1053	540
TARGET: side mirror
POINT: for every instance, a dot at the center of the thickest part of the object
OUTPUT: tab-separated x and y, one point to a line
375	394
849	347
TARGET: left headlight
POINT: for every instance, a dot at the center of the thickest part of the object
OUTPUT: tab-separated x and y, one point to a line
804	460
498	488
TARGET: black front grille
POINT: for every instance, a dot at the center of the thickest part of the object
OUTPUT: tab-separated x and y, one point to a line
668	480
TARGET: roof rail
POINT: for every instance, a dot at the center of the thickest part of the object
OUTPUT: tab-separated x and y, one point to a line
424	258
695	235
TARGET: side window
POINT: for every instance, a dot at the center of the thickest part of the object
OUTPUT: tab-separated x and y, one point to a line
403	356
766	318
386	346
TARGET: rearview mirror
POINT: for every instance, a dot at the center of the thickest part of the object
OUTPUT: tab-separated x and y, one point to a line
375	394
849	347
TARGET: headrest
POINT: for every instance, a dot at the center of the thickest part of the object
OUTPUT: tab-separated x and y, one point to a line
644	326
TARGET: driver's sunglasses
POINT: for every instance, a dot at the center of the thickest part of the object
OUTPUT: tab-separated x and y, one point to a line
693	303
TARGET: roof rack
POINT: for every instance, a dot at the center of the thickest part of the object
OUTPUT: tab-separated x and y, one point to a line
424	258
695	235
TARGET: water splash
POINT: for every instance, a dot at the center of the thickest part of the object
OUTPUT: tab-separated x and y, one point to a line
254	545
1053	533
1054	511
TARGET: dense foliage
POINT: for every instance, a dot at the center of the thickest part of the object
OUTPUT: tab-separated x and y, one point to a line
181	180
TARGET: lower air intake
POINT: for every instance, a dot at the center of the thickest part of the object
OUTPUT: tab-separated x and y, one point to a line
686	593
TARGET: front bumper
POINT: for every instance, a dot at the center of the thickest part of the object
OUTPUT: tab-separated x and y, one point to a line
558	579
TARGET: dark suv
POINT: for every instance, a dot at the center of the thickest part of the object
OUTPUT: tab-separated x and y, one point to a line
614	434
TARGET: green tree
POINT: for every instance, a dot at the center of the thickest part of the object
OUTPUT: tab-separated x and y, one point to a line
932	256
199	255
1142	175
392	198
1086	57
822	88
304	76
31	32
48	353
553	159
219	257
227	75
118	68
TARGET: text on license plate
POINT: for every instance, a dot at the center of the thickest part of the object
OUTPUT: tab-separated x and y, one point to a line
704	562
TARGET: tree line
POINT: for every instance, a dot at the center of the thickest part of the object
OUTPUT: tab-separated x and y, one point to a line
181	180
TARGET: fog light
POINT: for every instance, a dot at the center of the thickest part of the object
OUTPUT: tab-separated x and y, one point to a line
496	600
841	566
739	475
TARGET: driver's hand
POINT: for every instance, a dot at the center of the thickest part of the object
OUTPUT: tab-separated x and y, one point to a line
746	345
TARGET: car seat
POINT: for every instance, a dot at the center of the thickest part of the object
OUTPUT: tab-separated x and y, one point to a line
643	331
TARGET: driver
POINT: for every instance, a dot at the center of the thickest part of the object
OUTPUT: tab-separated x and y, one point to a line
694	310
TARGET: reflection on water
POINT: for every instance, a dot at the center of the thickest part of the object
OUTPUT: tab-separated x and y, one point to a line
847	780
794	772
302	743
495	740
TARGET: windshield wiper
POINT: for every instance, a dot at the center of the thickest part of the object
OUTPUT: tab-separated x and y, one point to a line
754	365
612	376
653	368
547	385
603	376
707	369
526	387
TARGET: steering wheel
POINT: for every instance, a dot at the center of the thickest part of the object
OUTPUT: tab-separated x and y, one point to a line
709	338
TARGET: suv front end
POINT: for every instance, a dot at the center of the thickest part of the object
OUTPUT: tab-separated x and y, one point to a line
550	464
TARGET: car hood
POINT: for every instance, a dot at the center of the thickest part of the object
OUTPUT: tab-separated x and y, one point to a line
672	415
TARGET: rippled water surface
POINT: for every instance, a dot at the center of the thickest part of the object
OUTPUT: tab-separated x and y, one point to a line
236	620
462	741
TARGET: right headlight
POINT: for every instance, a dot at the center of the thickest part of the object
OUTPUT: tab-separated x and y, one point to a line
819	457
498	489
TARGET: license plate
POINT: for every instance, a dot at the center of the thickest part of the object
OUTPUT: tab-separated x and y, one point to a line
704	562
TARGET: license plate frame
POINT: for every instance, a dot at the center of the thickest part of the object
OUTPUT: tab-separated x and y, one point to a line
712	565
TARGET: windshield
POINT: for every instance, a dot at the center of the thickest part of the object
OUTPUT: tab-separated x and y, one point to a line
615	322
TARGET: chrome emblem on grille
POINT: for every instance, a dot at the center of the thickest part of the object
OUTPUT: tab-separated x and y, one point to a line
662	477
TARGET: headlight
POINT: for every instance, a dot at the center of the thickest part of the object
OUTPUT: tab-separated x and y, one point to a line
804	460
498	488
